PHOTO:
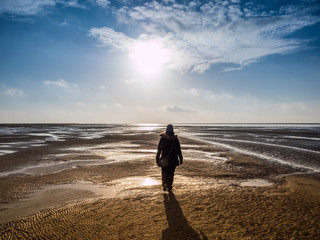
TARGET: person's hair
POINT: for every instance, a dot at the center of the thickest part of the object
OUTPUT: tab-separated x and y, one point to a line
169	130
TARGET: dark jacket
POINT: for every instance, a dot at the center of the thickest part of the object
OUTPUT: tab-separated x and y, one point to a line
164	148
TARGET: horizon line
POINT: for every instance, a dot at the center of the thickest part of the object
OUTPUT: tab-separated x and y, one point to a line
148	123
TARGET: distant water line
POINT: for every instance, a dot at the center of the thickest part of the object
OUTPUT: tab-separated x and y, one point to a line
272	142
296	145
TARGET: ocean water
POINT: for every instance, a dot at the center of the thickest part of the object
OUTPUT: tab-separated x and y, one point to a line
297	145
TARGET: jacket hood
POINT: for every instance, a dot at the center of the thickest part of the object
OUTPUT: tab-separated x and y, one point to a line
165	135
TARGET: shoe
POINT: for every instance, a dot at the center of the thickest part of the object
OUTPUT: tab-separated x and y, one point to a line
164	187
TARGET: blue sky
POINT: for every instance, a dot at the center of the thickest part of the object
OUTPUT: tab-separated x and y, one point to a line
125	61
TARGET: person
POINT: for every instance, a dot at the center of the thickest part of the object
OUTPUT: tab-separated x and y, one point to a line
169	141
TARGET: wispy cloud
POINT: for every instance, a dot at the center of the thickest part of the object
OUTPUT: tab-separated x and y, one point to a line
101	3
232	69
194	91
39	7
33	7
207	95
25	7
113	106
109	37
104	106
134	81
60	83
65	23
80	104
200	34
175	108
12	92
296	106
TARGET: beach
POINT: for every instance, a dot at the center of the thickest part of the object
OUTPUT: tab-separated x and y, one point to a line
101	182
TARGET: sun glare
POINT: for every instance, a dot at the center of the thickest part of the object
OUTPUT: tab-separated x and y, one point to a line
149	57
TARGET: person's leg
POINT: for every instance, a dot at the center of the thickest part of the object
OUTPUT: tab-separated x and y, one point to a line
170	178
165	178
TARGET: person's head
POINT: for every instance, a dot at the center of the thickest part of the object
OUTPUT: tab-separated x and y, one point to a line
169	130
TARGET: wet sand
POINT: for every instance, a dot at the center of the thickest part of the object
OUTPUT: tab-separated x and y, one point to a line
232	197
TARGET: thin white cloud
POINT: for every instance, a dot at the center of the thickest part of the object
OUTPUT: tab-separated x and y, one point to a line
175	108
112	107
101	3
118	106
233	69
12	92
200	34
80	104
34	7
294	106
134	81
25	7
104	106
38	7
70	3
109	37
193	91
65	23
207	95
60	83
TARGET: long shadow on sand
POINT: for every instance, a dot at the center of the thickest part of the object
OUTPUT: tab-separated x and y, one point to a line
178	224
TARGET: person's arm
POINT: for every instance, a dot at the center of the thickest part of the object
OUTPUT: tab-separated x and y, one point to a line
159	150
179	152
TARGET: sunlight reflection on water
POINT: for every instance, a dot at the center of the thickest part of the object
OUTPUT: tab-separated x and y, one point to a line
131	182
150	182
148	127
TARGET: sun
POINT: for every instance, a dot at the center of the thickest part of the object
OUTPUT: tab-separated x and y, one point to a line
149	57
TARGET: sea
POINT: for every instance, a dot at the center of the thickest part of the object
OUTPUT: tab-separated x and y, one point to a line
296	145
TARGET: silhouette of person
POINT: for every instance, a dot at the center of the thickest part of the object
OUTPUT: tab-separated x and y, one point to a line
178	224
169	144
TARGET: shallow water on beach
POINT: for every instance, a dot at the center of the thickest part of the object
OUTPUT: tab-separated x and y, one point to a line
297	145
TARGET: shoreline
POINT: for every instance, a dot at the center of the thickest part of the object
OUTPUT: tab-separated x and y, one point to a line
210	199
